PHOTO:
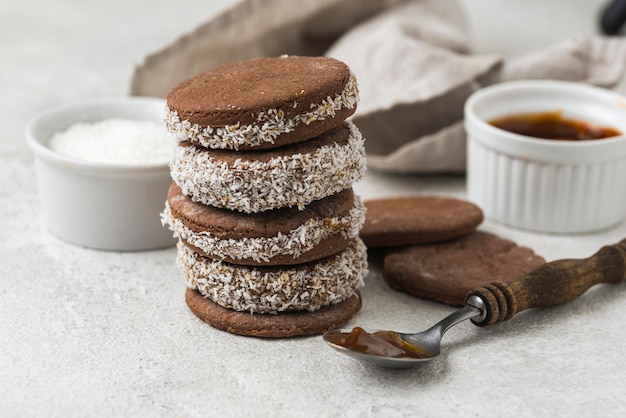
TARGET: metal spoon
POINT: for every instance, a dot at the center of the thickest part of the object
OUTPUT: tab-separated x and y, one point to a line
548	285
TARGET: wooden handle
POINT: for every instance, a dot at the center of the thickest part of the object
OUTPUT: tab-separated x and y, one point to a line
552	284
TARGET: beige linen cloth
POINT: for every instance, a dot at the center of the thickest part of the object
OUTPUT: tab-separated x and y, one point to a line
412	60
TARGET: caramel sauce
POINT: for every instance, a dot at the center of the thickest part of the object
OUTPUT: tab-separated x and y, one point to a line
553	125
380	343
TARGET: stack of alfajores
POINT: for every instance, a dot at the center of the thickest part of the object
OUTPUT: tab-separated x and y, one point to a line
262	196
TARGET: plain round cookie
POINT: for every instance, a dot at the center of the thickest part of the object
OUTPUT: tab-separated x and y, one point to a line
255	181
262	103
446	272
412	220
282	325
277	237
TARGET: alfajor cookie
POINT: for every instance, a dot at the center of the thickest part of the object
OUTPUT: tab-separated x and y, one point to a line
255	181
286	324
262	103
447	271
302	287
262	198
412	220
276	237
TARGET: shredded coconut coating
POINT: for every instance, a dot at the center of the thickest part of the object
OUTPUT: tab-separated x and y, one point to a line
256	186
269	124
262	249
306	287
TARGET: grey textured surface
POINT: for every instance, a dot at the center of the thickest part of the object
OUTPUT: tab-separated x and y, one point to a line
92	333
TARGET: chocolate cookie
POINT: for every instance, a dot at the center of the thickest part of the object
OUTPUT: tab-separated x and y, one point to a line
446	272
301	287
254	181
418	220
287	324
262	103
276	237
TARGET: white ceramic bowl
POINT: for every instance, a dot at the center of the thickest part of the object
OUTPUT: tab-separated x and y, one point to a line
547	185
96	205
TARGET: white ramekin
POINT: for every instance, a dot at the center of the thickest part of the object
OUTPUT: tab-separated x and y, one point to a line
547	185
102	206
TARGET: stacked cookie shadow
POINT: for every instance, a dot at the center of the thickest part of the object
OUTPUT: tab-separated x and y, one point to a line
432	249
262	198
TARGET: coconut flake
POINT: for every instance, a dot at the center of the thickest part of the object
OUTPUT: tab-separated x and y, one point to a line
306	288
284	181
